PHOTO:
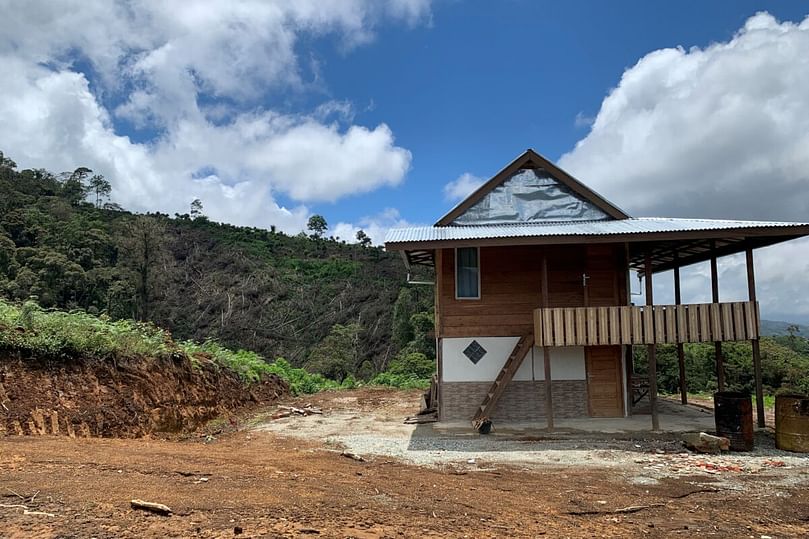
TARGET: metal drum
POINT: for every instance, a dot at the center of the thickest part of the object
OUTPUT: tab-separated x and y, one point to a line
733	413
792	423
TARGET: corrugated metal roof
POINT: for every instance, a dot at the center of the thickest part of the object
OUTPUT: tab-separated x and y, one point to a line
638	225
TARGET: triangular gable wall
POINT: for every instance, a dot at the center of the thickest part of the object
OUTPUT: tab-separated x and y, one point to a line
531	189
530	195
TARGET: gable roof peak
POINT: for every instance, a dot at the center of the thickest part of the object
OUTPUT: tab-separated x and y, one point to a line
530	157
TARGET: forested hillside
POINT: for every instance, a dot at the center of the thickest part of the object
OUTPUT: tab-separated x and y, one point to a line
784	365
316	301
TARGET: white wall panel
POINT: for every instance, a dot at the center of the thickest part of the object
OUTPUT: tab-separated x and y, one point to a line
458	368
567	363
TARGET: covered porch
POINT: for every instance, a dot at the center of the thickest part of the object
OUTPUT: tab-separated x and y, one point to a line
652	324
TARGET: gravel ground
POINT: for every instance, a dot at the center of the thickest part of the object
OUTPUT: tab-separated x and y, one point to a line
373	428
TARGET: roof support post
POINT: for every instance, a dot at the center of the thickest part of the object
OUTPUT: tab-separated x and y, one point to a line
546	351
720	367
651	352
680	351
751	291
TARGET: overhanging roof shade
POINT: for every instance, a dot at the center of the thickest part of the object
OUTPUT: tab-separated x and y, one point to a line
670	242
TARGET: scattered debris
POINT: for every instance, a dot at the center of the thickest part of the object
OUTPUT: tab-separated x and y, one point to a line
286	411
152	507
352	456
25	510
705	443
429	417
623	510
38	513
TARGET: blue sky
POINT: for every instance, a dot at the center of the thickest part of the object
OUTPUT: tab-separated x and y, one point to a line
478	86
383	113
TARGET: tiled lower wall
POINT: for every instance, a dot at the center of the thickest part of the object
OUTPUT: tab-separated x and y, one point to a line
522	401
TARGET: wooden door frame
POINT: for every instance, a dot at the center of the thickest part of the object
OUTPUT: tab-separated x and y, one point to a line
619	373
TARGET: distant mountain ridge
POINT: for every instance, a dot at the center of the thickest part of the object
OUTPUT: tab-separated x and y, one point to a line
773	328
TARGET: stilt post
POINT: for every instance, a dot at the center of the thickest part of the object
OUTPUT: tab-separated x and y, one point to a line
680	350
546	351
651	352
720	364
751	291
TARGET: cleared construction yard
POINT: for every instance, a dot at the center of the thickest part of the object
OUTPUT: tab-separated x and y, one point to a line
356	471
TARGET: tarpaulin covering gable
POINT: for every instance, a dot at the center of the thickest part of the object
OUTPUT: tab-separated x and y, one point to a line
530	196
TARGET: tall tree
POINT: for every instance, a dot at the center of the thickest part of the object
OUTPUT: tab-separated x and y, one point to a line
145	255
196	208
363	238
73	187
102	189
317	226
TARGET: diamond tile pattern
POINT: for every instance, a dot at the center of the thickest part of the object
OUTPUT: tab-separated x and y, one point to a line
474	352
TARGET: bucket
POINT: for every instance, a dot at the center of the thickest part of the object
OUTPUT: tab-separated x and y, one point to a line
792	423
733	413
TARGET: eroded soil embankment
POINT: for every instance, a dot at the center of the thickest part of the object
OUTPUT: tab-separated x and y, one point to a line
126	398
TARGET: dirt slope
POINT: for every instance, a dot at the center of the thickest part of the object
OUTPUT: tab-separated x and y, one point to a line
125	399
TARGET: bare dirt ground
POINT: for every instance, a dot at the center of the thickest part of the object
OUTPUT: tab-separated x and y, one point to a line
273	479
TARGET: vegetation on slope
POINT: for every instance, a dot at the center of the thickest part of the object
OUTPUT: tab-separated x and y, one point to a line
317	301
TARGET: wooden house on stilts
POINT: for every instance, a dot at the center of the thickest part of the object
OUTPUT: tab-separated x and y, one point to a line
533	313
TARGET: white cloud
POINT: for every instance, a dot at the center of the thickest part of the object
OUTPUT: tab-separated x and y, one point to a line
375	226
583	120
462	186
195	74
718	132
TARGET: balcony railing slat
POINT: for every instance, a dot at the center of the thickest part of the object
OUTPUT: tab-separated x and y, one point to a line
581	326
727	321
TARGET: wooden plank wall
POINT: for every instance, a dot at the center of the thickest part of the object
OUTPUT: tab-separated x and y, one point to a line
511	279
658	324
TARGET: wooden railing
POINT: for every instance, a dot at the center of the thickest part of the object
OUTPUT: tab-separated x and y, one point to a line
653	324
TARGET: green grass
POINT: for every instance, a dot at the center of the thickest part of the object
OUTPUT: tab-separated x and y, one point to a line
59	335
769	400
399	381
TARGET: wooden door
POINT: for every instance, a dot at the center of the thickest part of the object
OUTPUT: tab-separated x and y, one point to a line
604	392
